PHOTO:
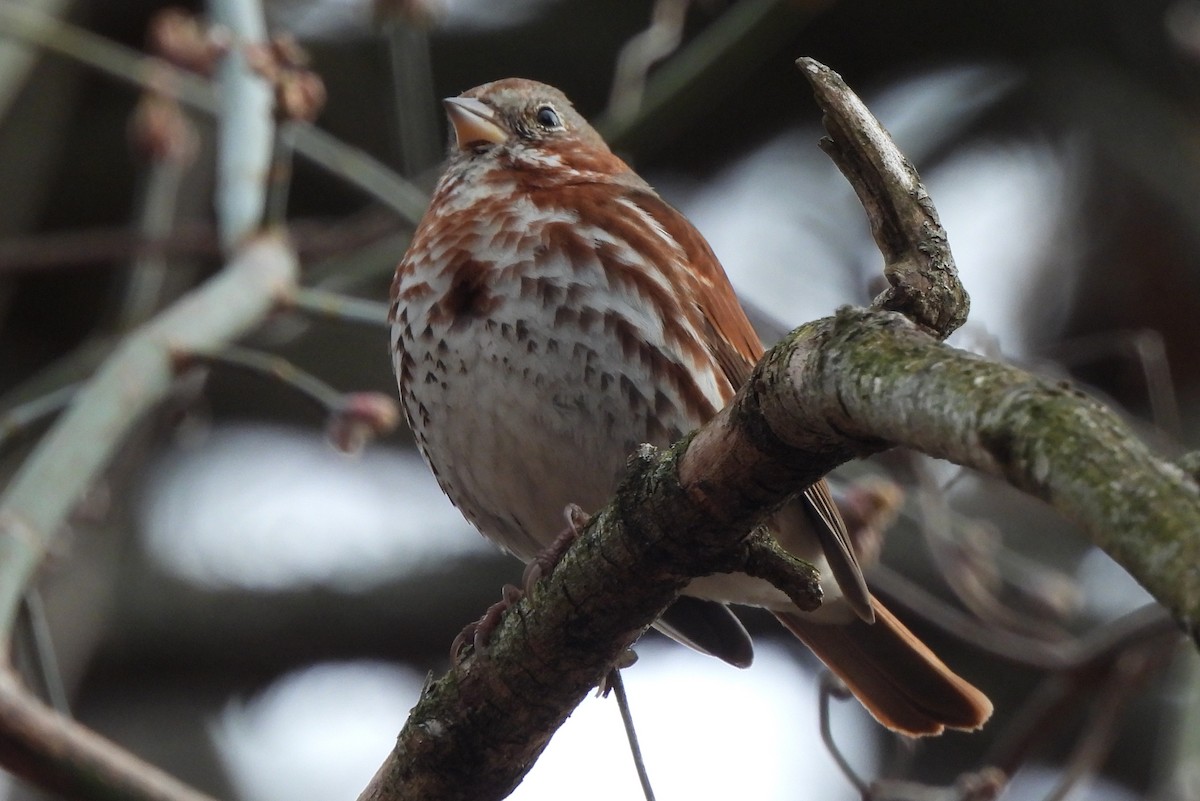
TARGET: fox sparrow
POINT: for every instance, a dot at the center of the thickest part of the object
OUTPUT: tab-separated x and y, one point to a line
551	314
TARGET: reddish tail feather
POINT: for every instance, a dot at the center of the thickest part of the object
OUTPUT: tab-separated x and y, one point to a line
895	676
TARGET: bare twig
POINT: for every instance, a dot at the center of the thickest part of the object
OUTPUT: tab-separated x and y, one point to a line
43	653
245	124
917	259
348	163
715	62
970	558
23	416
766	559
1146	346
352	419
618	687
829	688
642	52
337	306
163	134
360	169
418	134
313	239
1128	677
68	459
65	758
1082	670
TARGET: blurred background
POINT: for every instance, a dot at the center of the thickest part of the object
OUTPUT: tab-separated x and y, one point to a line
255	612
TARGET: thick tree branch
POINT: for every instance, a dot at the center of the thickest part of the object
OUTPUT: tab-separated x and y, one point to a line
813	403
839	388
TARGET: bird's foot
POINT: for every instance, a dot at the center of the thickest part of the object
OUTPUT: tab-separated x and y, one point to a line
479	633
544	563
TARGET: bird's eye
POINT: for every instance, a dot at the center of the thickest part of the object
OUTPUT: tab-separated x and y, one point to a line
547	118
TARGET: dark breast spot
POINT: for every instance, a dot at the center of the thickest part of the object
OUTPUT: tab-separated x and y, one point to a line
469	297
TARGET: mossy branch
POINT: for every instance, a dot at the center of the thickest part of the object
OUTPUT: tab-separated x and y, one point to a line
842	387
814	402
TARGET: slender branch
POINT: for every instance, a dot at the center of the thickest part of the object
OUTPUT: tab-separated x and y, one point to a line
359	168
829	688
165	137
63	757
323	303
348	163
353	418
139	374
716	61
618	686
25	415
641	52
313	238
417	128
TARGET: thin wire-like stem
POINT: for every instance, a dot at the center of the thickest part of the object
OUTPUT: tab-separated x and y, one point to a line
24	416
1129	675
1149	350
154	224
417	132
273	367
360	169
643	51
618	687
830	686
279	178
43	652
335	305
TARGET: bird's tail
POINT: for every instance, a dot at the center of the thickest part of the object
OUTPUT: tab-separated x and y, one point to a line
895	675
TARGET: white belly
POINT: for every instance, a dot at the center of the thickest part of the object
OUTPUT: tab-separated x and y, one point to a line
525	409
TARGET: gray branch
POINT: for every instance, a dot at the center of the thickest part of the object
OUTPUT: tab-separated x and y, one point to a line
836	389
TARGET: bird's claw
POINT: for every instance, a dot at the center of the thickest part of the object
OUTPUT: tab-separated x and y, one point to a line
544	563
479	632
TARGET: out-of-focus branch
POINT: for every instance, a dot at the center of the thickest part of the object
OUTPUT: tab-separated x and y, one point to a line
162	134
348	163
313	239
245	124
642	52
138	375
64	758
718	60
49	750
16	60
352	419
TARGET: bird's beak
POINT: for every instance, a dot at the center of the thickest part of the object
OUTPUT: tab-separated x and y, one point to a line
474	123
